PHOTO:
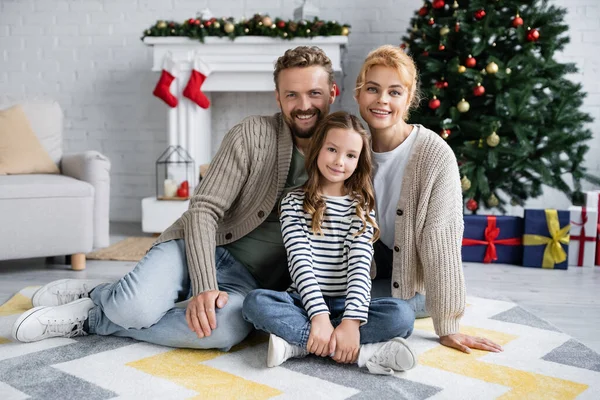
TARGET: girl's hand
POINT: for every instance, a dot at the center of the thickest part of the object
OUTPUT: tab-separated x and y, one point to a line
465	343
320	335
345	341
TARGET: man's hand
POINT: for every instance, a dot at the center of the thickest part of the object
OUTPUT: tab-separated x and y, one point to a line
200	313
465	343
320	334
345	341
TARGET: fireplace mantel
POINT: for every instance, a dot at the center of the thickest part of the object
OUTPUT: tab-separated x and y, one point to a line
241	65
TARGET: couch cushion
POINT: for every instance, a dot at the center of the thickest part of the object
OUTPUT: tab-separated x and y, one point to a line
20	150
46	119
42	186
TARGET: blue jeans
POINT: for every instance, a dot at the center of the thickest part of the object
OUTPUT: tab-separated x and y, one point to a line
142	304
282	314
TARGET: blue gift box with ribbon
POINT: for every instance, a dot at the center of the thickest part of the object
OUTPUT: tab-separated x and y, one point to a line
493	239
546	239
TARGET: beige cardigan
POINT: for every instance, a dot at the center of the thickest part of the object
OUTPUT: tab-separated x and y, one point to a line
429	229
240	189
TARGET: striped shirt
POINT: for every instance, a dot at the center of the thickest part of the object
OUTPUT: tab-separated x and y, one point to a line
334	264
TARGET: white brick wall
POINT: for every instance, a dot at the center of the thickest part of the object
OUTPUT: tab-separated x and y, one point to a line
87	54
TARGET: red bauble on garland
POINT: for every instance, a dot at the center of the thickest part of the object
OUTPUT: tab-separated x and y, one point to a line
533	35
434	103
478	90
470	61
281	24
431	21
437	4
479	14
445	133
441	47
472	205
517	21
423	11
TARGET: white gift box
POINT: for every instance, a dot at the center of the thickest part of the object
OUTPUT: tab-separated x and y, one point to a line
583	234
593	201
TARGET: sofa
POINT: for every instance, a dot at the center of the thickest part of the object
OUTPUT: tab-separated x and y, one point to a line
60	214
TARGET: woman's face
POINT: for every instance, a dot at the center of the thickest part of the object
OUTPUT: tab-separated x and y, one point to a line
383	99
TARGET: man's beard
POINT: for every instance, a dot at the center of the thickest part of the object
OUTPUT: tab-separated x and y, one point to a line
300	132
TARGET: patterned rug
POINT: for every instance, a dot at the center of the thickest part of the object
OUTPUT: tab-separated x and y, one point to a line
539	362
130	249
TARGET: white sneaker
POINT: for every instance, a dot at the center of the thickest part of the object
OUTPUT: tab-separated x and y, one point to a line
387	357
280	350
48	322
64	291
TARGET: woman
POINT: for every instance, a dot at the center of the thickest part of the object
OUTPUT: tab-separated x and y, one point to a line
418	199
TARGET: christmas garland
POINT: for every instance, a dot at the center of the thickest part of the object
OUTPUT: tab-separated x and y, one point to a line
258	25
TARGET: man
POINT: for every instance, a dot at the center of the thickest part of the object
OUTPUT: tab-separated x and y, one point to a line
227	243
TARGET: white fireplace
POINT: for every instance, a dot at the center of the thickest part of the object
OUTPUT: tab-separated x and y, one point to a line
243	65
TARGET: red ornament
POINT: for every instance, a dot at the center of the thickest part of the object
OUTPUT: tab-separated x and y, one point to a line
441	47
479	14
281	24
439	84
472	205
183	192
478	90
517	21
438	4
434	103
431	21
425	53
457	27
470	61
207	24
196	22
403	46
445	84
191	21
445	133
533	35
423	11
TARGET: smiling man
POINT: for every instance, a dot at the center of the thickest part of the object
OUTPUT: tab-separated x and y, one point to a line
227	243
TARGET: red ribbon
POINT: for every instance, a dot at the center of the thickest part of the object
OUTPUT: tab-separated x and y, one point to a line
581	238
490	235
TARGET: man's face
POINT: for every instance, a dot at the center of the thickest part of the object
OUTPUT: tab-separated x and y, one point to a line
304	97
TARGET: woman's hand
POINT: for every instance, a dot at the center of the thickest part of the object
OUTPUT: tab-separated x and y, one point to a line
465	343
345	341
320	334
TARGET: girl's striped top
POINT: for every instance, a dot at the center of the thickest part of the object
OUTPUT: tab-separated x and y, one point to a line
336	263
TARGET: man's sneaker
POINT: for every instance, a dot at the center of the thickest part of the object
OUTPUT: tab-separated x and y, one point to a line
48	322
64	291
280	350
387	357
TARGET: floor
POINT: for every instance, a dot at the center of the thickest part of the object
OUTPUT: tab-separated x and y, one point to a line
570	299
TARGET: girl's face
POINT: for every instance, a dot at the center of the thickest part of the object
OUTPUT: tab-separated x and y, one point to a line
338	159
383	99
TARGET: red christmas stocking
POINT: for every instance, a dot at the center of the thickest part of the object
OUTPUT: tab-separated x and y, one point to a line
167	76
193	89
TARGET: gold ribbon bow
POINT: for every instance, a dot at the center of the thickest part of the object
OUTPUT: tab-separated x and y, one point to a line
554	253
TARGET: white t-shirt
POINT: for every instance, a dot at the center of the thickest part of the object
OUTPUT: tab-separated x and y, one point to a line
389	170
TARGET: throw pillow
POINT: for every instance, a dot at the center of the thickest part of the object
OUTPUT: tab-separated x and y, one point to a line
20	150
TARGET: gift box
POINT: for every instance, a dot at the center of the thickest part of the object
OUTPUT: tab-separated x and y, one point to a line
593	201
546	239
582	246
493	239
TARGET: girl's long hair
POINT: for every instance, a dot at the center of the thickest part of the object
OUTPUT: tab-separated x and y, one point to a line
359	185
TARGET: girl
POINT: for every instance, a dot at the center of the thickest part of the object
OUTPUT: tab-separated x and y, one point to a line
328	228
419	199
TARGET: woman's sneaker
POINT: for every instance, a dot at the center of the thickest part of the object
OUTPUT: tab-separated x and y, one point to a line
64	291
386	357
280	350
47	322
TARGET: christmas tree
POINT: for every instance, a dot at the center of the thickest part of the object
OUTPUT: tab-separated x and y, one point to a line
493	90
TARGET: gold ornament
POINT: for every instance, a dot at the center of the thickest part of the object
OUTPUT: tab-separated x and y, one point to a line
461	69
285	34
229	27
463	106
444	31
465	183
492	201
508	71
267	21
492	68
217	25
345	31
493	140
161	24
455	4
